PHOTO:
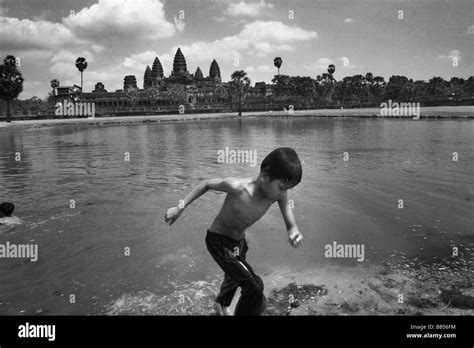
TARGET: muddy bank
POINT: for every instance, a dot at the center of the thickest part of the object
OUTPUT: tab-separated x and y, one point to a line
399	287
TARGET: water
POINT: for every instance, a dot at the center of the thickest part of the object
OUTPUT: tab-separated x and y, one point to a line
120	205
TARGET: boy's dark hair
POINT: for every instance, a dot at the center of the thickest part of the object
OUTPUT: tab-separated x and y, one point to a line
283	163
7	208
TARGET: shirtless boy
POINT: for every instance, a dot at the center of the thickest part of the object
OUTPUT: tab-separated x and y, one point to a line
247	200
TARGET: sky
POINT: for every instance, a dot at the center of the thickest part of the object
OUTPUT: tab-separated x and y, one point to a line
417	38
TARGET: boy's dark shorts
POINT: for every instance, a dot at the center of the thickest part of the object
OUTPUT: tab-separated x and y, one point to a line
230	255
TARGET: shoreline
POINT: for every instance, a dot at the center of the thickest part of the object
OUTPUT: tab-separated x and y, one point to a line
464	112
406	287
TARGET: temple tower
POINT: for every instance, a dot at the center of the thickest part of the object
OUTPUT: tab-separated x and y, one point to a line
179	64
215	71
157	71
198	74
148	78
130	81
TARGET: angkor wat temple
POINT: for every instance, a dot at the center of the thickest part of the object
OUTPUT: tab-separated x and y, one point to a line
180	75
194	91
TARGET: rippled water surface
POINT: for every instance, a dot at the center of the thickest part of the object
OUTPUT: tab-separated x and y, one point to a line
120	204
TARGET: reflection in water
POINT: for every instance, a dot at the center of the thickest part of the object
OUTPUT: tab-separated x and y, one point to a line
120	204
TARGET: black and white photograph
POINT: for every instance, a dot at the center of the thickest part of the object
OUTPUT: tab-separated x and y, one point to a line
206	158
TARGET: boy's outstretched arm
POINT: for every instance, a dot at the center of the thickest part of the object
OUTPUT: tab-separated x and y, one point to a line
228	185
294	235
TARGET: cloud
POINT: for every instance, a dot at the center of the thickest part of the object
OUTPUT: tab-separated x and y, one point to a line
91	33
97	48
24	34
263	49
121	20
36	57
346	63
31	60
64	68
256	39
34	66
137	63
64	65
349	20
260	68
453	55
253	9
226	49
276	32
100	25
43	16
470	30
179	25
320	65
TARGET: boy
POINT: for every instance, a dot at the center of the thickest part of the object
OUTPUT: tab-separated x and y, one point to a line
6	217
246	202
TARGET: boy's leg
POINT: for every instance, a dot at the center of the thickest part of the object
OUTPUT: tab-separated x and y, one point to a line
229	286
228	289
252	300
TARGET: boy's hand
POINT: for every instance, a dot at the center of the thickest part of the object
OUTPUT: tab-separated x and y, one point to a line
295	237
172	214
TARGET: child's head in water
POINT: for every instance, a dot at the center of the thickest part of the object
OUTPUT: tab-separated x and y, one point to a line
280	171
6	209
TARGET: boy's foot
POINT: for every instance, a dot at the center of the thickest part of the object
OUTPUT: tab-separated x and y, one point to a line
220	310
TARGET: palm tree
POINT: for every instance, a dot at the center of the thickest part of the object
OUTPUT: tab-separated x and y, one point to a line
369	78
81	64
277	62
331	69
11	82
240	83
54	85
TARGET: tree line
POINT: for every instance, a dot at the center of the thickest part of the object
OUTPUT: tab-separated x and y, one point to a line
299	91
371	90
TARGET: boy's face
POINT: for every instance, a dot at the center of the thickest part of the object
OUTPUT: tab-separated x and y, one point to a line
275	189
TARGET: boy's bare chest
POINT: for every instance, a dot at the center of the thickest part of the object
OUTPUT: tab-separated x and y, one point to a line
248	208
